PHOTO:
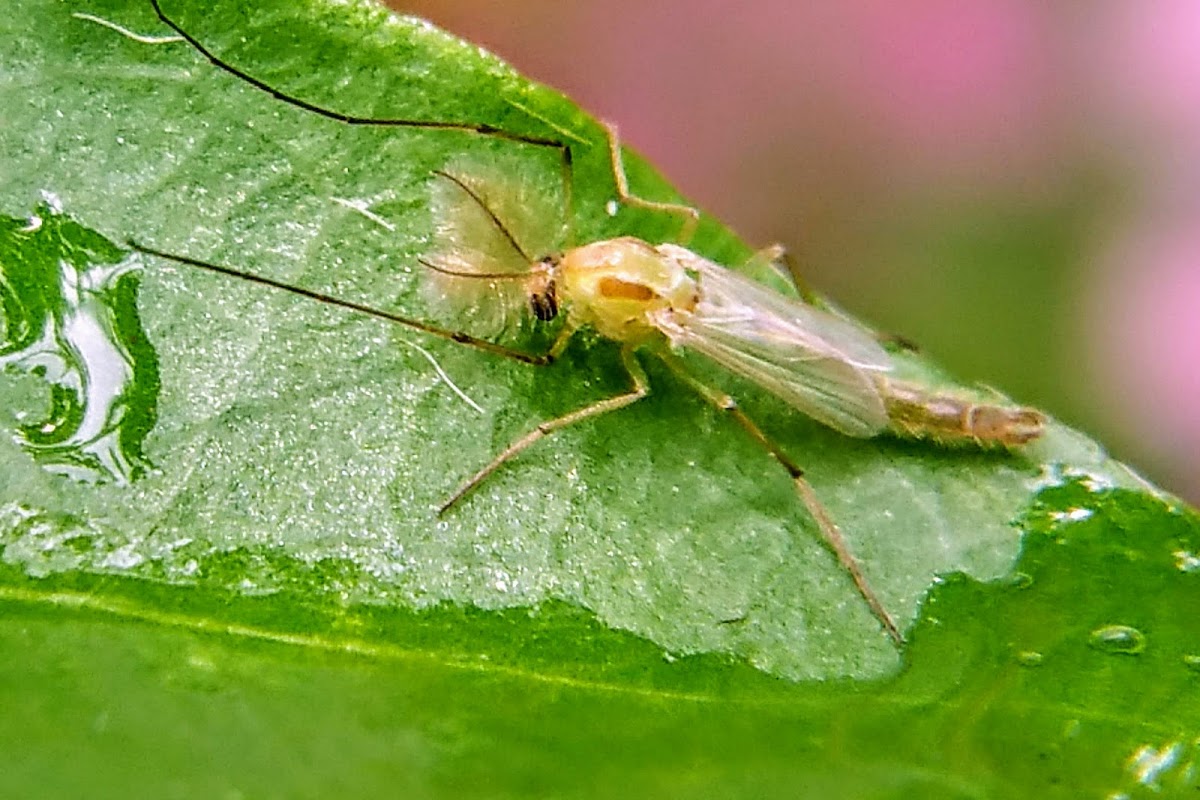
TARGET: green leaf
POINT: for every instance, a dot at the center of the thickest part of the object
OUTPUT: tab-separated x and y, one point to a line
265	585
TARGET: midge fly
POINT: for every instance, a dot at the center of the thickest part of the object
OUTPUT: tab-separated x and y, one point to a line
658	298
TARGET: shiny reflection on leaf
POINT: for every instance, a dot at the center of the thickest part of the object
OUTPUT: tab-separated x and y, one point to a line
70	318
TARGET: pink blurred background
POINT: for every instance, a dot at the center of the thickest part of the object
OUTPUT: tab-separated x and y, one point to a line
1014	184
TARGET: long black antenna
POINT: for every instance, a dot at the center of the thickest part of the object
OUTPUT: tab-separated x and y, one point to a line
491	276
471	193
416	324
476	128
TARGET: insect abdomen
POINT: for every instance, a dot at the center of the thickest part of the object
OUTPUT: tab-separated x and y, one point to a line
918	413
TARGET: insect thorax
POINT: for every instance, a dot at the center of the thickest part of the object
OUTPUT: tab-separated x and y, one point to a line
617	286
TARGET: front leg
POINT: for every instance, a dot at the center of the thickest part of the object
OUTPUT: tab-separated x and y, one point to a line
778	258
690	215
641	387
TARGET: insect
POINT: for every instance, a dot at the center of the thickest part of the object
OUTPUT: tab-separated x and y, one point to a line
660	298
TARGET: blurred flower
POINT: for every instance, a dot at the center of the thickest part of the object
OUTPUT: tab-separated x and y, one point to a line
1144	60
1145	328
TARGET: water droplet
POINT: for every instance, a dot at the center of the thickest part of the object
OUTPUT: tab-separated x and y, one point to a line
1071	515
100	377
1149	764
1030	658
1120	639
1186	561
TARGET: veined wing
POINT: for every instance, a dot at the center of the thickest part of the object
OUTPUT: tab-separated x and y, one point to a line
820	364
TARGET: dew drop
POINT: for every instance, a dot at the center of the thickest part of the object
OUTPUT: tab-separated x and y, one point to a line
1187	561
1118	639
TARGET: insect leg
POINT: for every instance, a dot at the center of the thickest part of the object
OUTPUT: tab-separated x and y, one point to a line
479	129
829	530
537	359
780	259
641	387
691	216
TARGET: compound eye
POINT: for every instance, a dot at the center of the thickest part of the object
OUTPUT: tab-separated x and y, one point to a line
544	305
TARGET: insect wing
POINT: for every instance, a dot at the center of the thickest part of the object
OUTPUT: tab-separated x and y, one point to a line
820	364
